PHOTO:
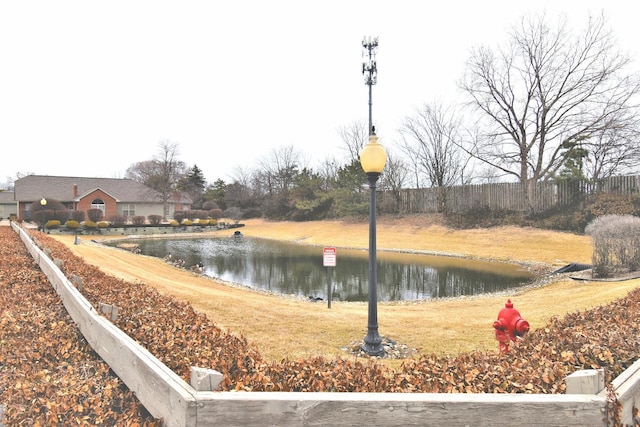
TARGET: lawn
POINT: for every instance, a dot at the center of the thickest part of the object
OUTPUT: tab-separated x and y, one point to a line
282	327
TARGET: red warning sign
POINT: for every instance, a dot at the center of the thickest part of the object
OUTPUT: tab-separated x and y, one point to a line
329	257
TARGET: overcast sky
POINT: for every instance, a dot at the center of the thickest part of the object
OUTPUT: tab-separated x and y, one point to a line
88	88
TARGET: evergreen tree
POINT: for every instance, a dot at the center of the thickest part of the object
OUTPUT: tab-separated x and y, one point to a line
194	183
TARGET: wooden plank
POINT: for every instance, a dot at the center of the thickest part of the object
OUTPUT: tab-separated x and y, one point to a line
407	409
627	388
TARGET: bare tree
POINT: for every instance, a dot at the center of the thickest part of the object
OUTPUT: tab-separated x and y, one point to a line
543	92
143	172
612	152
328	170
242	193
9	183
162	173
431	139
394	178
354	136
279	168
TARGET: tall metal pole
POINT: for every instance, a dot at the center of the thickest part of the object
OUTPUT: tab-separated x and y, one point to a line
372	341
370	71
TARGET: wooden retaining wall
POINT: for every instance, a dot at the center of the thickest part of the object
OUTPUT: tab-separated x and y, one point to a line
165	395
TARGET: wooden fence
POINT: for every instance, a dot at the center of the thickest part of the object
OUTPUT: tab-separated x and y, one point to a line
166	395
501	196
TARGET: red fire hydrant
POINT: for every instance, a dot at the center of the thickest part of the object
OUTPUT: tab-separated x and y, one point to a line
509	326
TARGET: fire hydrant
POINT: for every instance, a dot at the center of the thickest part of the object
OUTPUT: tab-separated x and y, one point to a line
509	326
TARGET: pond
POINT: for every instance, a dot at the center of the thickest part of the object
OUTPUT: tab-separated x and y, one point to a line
293	269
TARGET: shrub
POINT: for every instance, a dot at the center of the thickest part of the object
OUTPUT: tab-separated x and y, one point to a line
187	222
571	217
483	217
61	215
210	204
612	204
72	224
174	223
179	216
235	213
202	214
88	224
616	241
215	213
154	219
103	224
52	224
118	220
77	216
94	215
138	220
52	209
194	214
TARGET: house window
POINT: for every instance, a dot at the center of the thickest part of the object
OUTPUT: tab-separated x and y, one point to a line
129	209
98	204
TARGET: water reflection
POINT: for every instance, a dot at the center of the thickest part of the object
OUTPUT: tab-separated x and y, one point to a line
287	268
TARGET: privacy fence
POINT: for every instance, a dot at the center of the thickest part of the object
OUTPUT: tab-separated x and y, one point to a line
501	196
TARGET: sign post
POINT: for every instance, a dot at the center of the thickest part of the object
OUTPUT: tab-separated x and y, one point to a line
329	260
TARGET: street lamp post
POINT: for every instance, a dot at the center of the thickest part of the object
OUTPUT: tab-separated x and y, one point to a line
43	203
372	158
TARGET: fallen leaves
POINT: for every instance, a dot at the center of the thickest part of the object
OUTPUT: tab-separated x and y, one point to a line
48	373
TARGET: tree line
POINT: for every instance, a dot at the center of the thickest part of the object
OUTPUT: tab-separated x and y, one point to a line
549	104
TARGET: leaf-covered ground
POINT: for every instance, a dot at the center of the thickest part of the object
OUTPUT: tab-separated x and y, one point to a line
605	337
49	375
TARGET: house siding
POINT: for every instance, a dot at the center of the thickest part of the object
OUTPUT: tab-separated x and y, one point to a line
143	209
110	204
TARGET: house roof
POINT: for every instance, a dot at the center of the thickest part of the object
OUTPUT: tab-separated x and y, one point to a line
62	188
6	197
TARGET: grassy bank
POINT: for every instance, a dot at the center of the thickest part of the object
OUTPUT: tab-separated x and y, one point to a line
283	327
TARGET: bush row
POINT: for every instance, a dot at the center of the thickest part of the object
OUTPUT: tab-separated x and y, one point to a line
73	225
193	215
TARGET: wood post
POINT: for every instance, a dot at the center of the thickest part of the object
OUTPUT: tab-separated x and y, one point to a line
109	310
586	381
203	379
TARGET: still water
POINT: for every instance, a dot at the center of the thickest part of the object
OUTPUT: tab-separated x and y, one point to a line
287	268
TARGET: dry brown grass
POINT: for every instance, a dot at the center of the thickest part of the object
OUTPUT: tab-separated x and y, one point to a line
286	328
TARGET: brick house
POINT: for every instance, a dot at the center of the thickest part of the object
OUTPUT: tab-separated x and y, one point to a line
114	196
